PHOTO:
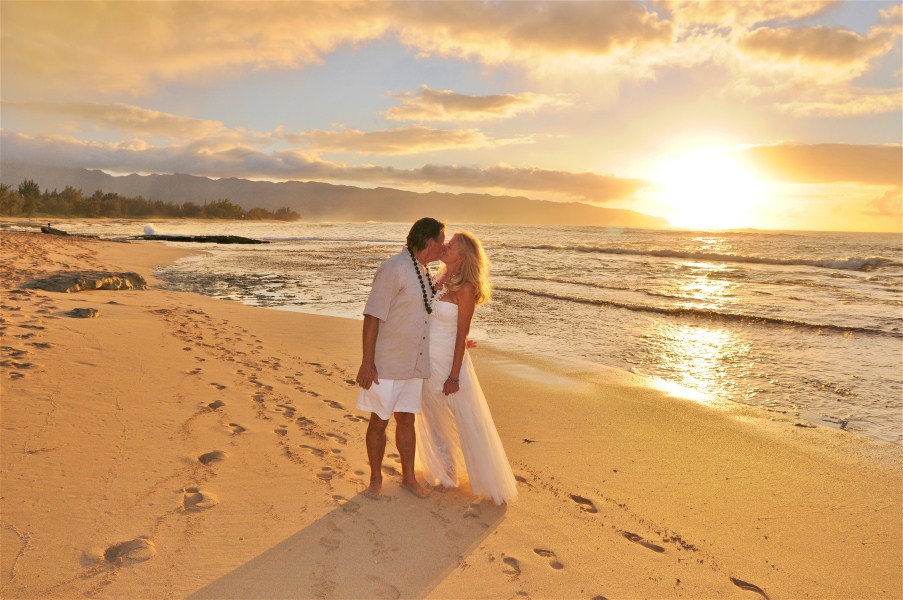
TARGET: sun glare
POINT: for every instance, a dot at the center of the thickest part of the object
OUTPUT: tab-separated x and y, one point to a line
707	190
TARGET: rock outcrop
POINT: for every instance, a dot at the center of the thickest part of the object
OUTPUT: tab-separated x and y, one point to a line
91	280
209	239
82	313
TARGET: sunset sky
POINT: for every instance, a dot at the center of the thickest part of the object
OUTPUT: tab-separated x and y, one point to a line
777	115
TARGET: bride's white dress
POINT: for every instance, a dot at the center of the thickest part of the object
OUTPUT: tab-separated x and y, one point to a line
456	436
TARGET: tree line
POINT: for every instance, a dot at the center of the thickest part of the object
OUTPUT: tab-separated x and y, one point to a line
28	200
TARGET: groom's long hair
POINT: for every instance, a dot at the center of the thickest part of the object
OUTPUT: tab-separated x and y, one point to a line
423	230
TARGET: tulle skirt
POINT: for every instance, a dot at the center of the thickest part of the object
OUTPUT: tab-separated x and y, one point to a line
457	441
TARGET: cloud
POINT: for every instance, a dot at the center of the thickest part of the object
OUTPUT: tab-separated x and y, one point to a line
888	204
135	47
892	20
585	186
496	32
843	102
830	163
817	45
405	140
126	118
445	105
244	161
742	14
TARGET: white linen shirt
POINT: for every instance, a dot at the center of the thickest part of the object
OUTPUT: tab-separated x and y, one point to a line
396	299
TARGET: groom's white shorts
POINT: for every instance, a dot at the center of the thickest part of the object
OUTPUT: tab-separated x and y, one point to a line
391	395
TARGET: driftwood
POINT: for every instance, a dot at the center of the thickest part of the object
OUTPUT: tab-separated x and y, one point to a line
209	239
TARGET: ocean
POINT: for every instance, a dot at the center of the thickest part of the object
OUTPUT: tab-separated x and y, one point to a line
805	324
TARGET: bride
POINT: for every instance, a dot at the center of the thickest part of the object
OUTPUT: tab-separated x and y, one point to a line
456	436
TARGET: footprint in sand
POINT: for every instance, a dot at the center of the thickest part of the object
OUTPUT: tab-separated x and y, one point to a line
218	386
355	418
394	456
211	457
512	567
349	506
313	450
553	558
389	470
584	503
288	409
383	589
216	404
644	543
326	474
280	431
136	550
195	499
236	428
333	404
339	438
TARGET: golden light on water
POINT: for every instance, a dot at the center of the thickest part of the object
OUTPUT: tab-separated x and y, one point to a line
708	190
699	355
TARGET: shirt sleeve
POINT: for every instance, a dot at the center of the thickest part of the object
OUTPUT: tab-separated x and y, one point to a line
384	289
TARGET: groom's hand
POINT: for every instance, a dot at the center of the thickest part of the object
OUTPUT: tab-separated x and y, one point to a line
367	376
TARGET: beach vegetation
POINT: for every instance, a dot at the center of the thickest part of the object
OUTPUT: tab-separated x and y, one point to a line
28	200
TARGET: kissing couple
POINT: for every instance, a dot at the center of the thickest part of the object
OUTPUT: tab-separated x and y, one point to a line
415	362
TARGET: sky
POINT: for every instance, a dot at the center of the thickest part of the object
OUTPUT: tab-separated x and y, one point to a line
770	115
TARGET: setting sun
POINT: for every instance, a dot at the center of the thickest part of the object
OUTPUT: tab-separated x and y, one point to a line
708	190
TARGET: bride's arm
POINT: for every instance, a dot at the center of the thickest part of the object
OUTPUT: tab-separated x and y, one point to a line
466	304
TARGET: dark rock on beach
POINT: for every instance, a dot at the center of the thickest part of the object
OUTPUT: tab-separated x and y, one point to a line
53	231
210	239
91	280
82	313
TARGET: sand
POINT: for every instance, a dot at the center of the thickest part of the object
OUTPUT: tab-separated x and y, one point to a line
178	446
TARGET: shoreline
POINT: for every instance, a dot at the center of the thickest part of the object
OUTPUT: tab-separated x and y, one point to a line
626	491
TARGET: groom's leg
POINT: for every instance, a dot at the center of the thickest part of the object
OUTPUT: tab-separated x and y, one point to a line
376	449
406	441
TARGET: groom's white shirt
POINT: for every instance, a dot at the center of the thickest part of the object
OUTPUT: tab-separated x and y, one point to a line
396	299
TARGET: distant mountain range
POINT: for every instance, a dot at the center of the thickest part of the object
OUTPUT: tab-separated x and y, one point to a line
316	201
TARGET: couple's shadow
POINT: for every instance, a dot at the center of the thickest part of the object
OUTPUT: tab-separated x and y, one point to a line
398	546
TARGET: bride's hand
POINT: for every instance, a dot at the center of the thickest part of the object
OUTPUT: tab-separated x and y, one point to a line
450	387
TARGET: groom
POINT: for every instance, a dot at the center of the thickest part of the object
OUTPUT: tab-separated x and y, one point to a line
396	350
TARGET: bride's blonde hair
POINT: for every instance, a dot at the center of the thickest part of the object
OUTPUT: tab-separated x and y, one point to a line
474	267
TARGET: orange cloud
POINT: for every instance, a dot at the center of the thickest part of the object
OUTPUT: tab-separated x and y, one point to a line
843	102
135	46
445	105
742	14
830	163
405	140
126	118
816	44
889	204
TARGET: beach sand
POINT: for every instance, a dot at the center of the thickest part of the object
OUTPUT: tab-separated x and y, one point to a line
178	446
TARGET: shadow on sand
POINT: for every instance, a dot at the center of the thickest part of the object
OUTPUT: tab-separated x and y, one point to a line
396	547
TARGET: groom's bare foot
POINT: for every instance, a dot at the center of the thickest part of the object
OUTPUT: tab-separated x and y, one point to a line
415	488
375	491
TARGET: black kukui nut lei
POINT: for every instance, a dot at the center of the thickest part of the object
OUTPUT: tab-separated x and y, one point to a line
426	301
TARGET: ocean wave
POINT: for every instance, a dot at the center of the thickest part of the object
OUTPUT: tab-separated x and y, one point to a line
853	263
701	313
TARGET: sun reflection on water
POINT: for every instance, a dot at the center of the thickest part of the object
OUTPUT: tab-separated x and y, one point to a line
701	359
